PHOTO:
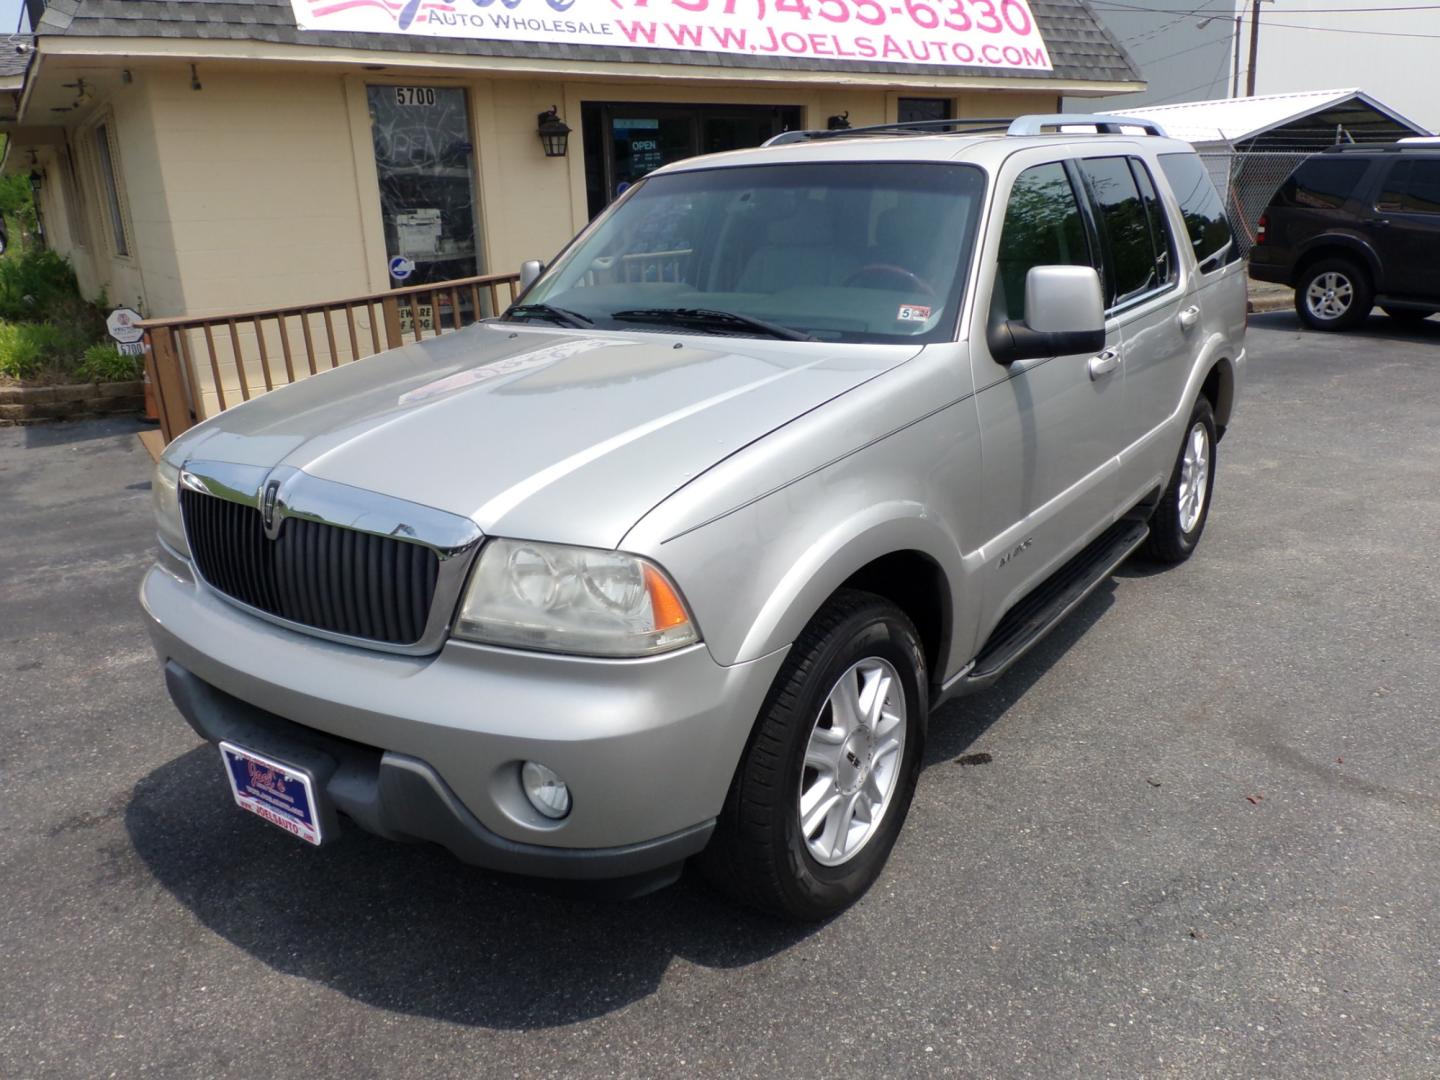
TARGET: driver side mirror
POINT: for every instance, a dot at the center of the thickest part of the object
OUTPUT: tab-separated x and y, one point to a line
1064	313
530	269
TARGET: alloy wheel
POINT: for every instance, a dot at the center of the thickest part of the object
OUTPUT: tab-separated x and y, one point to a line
1194	478
852	761
1330	295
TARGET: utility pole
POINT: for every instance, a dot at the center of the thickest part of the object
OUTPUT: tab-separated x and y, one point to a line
1235	76
1254	48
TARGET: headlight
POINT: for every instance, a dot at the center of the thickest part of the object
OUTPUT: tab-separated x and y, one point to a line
573	600
165	498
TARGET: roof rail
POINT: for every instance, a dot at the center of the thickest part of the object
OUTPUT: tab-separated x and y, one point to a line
1103	123
1399	146
975	126
989	125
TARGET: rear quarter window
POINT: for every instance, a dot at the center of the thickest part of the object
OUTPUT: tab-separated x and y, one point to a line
1412	187
1322	183
1202	209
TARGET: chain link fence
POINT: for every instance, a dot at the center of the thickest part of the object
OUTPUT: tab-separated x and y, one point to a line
1247	180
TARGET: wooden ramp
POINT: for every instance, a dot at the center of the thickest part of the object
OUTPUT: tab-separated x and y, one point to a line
153	441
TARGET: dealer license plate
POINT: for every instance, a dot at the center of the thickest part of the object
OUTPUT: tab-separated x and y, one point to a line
281	794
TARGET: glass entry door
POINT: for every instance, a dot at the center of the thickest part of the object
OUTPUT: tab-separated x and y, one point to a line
426	164
624	142
640	142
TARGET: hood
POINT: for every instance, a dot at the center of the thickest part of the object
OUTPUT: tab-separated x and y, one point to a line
566	436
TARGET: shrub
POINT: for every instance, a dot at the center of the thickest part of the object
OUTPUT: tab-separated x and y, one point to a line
37	285
106	363
27	348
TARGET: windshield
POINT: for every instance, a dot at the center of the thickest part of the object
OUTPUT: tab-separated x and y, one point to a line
853	252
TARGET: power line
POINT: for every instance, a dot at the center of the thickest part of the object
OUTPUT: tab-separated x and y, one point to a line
1193	48
1338	30
1148	34
1116	5
1206	86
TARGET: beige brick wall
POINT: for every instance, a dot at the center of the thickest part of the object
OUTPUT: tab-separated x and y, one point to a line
259	176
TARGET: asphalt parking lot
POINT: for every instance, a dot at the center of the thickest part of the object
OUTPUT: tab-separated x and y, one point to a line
1205	843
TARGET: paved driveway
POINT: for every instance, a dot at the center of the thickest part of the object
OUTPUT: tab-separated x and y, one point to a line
1205	844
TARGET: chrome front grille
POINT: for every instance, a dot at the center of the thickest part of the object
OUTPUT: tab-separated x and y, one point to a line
334	579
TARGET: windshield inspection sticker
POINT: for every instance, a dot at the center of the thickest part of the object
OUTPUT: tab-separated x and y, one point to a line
913	313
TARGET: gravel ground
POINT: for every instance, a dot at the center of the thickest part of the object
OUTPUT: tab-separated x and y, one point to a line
1204	843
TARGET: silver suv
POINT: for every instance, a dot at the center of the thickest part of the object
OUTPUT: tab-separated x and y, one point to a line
675	558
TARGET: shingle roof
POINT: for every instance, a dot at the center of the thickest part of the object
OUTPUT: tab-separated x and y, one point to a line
1081	48
16	52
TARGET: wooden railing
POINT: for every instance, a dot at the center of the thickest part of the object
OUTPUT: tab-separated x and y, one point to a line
203	364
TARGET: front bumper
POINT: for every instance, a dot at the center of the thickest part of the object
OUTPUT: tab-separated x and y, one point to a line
648	746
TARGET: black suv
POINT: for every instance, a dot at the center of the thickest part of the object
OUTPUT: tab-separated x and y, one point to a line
1353	227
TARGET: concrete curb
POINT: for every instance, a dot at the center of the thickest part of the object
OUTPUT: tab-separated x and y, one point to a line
83	401
1270	298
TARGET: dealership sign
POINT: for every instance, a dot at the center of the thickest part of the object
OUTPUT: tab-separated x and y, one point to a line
953	33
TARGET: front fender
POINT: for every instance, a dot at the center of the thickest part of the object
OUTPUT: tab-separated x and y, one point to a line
760	542
835	556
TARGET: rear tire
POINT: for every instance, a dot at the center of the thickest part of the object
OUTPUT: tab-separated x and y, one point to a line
1179	520
812	755
1333	294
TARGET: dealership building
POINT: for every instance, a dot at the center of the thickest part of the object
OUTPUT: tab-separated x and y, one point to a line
204	157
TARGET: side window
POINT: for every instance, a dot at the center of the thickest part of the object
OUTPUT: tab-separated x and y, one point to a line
1130	269
1412	187
1161	242
1322	183
110	188
1393	191
1201	209
1043	227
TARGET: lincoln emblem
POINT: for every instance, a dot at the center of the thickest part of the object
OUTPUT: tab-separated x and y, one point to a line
267	508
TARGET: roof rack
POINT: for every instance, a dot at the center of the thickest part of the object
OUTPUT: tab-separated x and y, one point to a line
1103	123
1024	125
1397	147
976	126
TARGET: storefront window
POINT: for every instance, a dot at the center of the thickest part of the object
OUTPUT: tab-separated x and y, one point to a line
912	108
426	164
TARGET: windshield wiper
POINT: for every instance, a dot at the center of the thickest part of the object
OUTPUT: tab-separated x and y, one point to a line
708	318
563	316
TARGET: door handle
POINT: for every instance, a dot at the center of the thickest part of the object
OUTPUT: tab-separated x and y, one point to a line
1189	317
1104	364
1381	223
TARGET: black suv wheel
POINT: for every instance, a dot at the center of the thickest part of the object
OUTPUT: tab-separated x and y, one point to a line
1333	294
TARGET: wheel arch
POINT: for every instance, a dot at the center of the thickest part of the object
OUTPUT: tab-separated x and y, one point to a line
893	551
1218	386
1333	245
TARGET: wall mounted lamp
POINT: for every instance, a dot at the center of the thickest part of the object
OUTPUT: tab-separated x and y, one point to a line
554	133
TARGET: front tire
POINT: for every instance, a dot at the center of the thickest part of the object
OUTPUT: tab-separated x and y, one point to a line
828	775
1333	294
1179	520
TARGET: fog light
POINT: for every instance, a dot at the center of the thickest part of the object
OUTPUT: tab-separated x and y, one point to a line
545	790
